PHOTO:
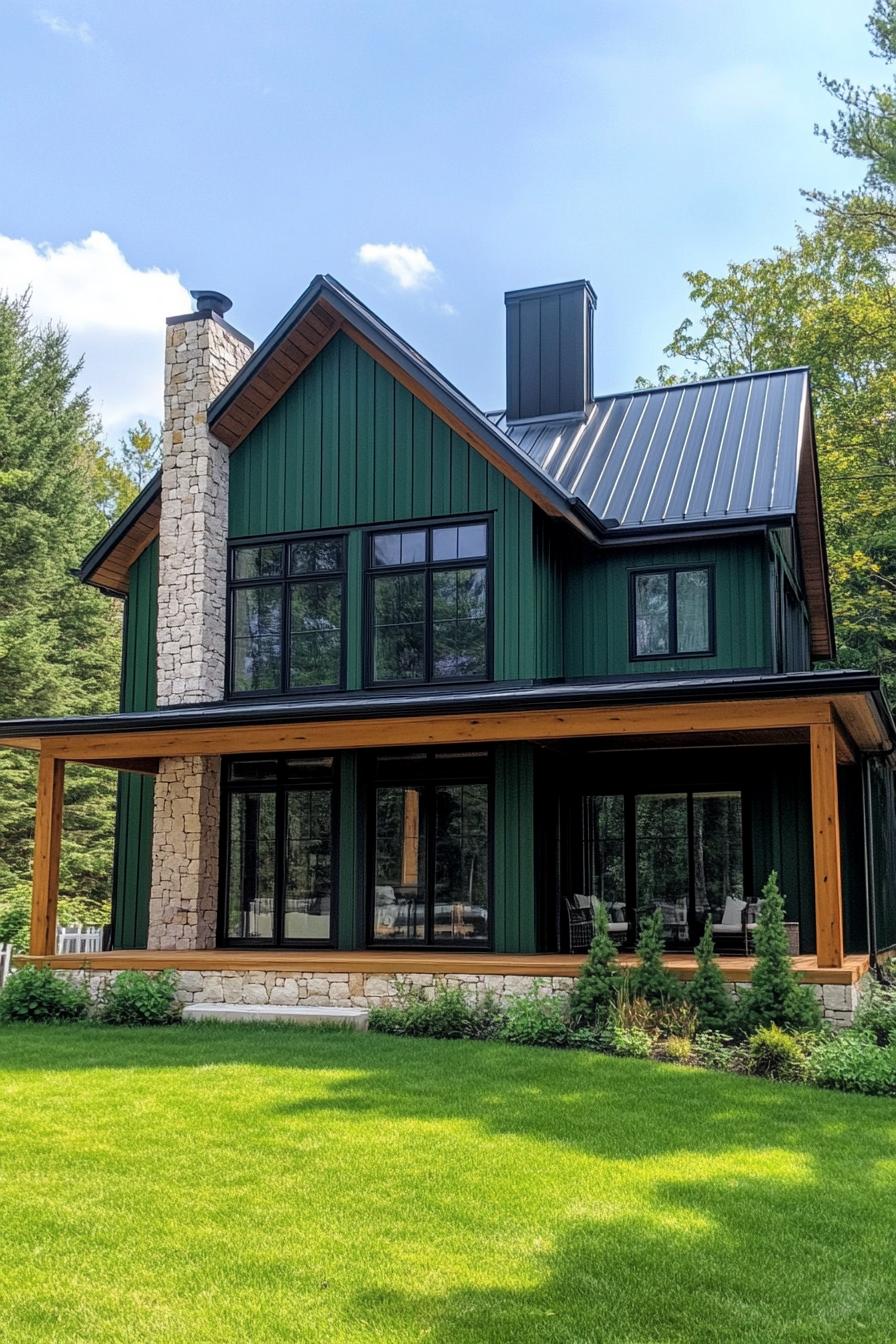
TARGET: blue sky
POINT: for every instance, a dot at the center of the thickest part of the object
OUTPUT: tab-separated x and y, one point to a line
218	144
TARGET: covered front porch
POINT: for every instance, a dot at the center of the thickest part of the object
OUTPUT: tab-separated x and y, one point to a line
619	739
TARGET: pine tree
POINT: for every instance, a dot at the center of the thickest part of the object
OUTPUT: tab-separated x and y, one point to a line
707	992
776	996
599	980
651	979
59	640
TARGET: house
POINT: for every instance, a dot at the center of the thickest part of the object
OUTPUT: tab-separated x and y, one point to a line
407	687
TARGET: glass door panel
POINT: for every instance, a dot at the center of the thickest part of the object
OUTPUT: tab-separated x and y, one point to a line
399	905
308	880
661	849
252	867
460	900
718	856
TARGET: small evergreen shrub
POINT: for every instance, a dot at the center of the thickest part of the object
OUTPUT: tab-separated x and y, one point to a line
707	993
597	986
535	1019
630	1042
37	994
775	1053
776	995
650	979
140	999
877	1013
852	1061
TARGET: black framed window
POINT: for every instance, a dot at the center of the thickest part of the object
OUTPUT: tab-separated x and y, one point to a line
286	626
672	612
429	850
682	852
279	847
428	603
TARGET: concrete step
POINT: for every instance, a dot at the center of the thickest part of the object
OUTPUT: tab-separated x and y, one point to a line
276	1012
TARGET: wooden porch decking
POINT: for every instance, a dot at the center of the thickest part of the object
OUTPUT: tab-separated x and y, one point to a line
409	963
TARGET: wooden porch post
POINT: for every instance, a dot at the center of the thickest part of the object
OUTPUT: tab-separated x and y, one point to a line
826	845
47	844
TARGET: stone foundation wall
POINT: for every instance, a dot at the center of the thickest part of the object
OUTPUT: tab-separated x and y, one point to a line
369	990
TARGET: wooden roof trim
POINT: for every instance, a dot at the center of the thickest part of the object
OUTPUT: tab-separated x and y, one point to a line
810	536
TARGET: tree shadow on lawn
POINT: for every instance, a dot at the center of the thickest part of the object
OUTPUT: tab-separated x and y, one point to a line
680	1205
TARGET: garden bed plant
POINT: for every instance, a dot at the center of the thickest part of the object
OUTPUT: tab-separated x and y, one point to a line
774	1029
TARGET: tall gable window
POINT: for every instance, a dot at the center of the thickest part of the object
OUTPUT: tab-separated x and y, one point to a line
286	616
671	612
428	614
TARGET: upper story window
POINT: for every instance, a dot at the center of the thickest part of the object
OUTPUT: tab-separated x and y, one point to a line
672	612
428	605
286	615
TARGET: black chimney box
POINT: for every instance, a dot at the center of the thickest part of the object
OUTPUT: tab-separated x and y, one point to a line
549	351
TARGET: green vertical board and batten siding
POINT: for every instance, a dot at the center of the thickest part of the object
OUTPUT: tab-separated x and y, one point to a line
133	824
347	447
596	608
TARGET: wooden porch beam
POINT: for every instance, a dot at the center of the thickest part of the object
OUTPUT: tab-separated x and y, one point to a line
445	729
826	845
47	846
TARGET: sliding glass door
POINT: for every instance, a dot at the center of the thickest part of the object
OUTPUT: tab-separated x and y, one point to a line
430	855
679	852
279	848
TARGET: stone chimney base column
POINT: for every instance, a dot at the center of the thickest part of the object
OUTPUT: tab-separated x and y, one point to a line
183	900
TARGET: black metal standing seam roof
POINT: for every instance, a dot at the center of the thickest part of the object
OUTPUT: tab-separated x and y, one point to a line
722	450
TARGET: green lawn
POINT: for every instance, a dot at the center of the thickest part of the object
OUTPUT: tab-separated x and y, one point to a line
255	1184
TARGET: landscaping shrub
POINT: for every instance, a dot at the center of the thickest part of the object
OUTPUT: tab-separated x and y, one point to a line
630	1010
535	1019
775	1053
715	1050
449	1014
707	993
776	995
852	1061
676	1019
597	986
630	1042
37	994
650	979
140	999
679	1049
877	1013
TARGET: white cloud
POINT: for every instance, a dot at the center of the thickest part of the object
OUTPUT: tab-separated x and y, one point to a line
78	32
408	266
115	314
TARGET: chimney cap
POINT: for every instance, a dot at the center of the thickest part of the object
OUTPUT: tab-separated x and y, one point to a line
211	301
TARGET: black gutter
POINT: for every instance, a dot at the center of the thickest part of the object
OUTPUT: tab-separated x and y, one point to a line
110	539
475	701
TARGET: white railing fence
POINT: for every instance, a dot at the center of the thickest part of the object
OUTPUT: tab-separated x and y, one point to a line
79	938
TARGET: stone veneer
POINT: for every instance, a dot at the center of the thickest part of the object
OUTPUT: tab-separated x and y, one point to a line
369	989
202	355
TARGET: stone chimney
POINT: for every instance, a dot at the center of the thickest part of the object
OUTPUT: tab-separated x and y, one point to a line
202	354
